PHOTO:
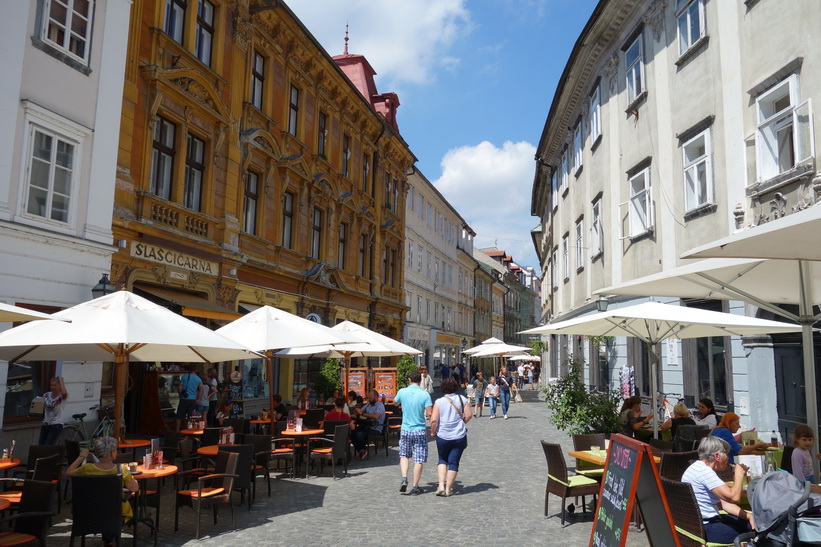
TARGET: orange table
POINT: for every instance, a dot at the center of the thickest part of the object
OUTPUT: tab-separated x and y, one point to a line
4	504
192	431
8	464
259	422
590	457
303	435
133	444
211	449
144	474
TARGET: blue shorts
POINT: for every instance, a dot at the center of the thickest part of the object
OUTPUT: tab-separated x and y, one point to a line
414	443
450	452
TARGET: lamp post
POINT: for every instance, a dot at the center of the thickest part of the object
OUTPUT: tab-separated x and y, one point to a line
103	287
602	302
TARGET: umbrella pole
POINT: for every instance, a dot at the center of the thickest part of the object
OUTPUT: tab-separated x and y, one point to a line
120	371
654	362
808	350
268	363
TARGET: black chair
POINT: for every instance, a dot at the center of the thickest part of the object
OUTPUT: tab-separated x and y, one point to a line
245	470
97	506
72	453
659	446
674	464
283	449
559	483
31	522
394	426
312	418
586	441
375	438
240	426
170	446
37	452
222	484
44	470
334	450
210	436
786	459
262	459
688	436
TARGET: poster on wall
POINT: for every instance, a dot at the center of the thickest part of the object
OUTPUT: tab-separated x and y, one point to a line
356	382
385	383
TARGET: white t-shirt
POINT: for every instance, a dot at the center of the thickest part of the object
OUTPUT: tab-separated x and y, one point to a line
709	420
704	480
451	424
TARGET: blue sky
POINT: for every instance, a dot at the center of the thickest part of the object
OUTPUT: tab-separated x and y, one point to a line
475	80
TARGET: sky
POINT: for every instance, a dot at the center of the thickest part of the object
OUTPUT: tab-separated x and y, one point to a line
475	80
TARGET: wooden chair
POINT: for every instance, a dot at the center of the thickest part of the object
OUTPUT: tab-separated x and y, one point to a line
674	464
334	450
585	441
31	522
686	514
220	492
560	483
262	459
97	506
245	470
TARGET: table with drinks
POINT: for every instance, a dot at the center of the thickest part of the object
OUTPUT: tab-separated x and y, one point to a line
300	435
142	473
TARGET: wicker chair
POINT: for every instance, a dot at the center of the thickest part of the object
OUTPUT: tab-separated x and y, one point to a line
686	514
283	449
312	418
659	447
223	485
563	485
333	450
97	506
688	436
245	472
262	459
786	459
31	523
674	464
585	441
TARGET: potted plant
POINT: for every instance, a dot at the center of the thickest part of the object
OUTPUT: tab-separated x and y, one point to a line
328	379
404	367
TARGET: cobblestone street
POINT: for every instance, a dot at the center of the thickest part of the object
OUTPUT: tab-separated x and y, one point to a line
498	500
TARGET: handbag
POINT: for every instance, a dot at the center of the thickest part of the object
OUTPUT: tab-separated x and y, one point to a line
461	414
518	397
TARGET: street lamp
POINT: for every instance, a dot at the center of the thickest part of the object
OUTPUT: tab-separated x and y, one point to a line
602	302
103	287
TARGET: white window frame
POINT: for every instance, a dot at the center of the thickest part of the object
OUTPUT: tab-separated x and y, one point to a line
419	256
697	193
595	114
563	178
67	26
554	190
37	118
596	230
793	122
579	244
578	145
634	71
565	257
640	216
688	11
554	270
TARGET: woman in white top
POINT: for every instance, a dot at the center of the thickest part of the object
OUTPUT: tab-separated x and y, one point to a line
707	414
53	411
447	424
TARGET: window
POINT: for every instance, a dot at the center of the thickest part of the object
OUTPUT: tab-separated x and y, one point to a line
634	63
436	271
257	80
249	222
427	310
205	31
287	220
361	267
427	265
365	169
388	191
316	233
418	309
51	175
346	156
343	238
419	261
577	146
580	244
194	169
554	190
322	134
411	198
565	258
68	26
698	179
175	19
162	158
595	114
563	173
554	267
421	211
26	380
293	111
392	264
436	314
710	360
640	206
430	214
690	16
784	136
596	233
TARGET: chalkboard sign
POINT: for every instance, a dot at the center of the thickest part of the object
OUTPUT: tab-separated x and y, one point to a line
630	476
356	382
237	410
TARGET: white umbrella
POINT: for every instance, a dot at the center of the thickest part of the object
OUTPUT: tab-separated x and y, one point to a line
120	326
534	358
495	350
268	329
10	313
653	322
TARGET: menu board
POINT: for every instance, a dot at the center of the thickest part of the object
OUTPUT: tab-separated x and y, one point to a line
385	383
356	382
236	400
630	476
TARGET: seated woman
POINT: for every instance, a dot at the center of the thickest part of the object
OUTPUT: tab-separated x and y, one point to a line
338	413
681	416
726	428
332	398
105	450
711	492
630	416
707	413
303	402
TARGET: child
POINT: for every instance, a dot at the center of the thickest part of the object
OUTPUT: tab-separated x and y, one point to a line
492	395
801	457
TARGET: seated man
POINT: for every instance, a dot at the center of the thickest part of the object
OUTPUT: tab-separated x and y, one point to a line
280	411
370	420
713	493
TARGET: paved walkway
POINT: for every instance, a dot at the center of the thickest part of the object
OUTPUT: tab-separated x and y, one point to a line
498	500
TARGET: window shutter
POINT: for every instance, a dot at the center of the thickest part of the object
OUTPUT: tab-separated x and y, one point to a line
804	138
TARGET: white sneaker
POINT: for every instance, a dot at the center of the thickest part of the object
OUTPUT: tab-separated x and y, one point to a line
505	416
492	417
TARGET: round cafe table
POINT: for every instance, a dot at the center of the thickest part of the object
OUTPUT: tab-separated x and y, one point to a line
211	449
4	504
133	444
192	431
258	423
8	464
302	436
142	477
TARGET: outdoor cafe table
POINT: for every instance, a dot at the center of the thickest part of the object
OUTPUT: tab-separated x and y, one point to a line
302	437
4	504
5	465
211	449
133	444
597	459
192	431
142	476
258	423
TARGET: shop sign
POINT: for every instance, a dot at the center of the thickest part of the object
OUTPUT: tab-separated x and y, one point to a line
447	339
173	258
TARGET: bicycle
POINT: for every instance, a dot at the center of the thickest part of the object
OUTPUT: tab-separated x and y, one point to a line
664	411
77	431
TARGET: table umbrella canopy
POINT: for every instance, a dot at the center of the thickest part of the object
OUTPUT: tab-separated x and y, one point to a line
371	344
653	322
493	350
480	347
534	358
10	313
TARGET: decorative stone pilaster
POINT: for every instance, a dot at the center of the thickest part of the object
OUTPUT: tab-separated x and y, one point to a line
654	18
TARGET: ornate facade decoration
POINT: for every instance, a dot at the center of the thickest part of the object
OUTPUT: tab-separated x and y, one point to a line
654	18
610	70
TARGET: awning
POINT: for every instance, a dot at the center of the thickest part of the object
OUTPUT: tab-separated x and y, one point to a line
191	304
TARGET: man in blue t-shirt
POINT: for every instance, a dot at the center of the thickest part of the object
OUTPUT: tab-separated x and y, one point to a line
189	388
416	406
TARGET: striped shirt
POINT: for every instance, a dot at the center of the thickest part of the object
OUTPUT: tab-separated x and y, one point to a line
704	480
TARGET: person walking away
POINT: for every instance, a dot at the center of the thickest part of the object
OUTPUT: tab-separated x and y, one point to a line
427	382
416	405
506	383
479	388
530	377
520	381
188	389
53	411
447	423
213	390
492	394
456	375
202	403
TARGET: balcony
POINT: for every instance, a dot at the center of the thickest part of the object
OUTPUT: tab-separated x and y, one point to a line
173	215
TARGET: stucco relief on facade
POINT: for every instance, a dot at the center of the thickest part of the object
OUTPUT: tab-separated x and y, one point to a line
654	18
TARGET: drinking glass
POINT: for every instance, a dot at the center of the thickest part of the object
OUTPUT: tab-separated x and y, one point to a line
595	449
159	459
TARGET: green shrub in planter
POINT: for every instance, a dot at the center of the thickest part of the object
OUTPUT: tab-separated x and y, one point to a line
577	410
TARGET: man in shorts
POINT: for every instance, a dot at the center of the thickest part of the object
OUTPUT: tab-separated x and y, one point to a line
416	406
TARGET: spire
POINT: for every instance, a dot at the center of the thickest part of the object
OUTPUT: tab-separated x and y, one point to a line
346	39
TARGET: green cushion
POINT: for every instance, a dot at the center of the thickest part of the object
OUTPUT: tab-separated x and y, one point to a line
575	480
592	473
697	539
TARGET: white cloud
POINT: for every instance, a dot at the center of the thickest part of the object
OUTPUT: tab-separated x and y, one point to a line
490	187
405	42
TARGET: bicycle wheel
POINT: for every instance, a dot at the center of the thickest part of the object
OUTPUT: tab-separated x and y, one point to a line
104	429
73	433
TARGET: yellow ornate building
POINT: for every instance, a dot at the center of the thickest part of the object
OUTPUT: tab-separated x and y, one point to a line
252	171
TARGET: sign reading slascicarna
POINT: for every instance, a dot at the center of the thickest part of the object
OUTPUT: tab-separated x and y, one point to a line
173	258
